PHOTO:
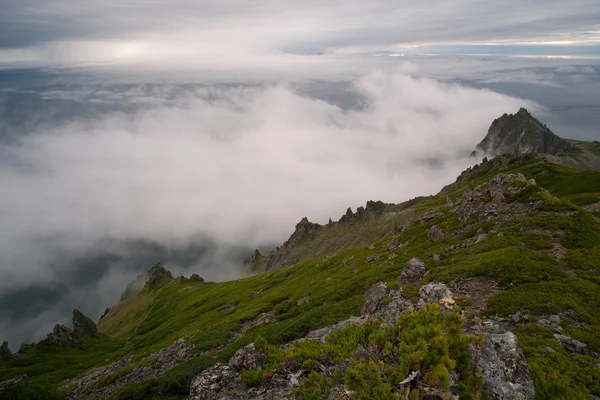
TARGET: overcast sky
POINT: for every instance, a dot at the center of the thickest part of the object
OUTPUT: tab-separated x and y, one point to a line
221	33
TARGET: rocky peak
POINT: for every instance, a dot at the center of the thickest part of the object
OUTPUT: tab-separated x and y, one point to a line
62	336
5	353
304	230
519	134
156	275
82	325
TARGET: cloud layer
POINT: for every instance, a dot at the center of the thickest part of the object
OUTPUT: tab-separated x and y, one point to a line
223	34
236	165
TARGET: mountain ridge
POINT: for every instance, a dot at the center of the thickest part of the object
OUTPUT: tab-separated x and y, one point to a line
507	254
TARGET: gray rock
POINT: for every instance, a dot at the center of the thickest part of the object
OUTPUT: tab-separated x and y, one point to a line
570	344
212	382
555	319
504	368
413	271
434	292
82	325
92	385
549	349
248	358
321	334
373	297
5	353
62	336
435	233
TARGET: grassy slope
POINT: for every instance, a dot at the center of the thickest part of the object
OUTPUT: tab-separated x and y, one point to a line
210	314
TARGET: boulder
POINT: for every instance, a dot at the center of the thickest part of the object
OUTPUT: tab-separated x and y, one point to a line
373	297
5	353
385	304
248	358
434	292
82	325
413	271
435	234
504	368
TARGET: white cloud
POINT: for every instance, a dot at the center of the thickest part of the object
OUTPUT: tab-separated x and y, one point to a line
243	167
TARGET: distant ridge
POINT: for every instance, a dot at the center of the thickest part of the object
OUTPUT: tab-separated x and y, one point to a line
520	134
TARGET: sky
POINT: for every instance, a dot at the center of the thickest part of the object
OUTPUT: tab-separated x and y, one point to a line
190	133
277	33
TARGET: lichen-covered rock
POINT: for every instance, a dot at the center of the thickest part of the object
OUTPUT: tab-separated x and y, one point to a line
212	382
413	271
382	303
491	200
570	344
435	234
434	292
248	358
5	353
373	297
82	325
504	368
223	382
62	336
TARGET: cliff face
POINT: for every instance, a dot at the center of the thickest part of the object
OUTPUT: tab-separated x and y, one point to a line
519	134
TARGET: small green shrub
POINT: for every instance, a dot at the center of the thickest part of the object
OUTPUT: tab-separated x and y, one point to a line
251	377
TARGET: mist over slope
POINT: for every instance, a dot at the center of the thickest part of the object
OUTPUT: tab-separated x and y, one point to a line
233	164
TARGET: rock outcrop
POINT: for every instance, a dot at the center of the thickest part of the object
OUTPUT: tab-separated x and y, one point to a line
82	325
5	353
520	134
305	230
504	368
92	385
491	200
383	303
223	381
7	384
157	275
62	336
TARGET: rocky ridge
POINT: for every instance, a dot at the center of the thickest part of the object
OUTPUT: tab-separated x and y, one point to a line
520	133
